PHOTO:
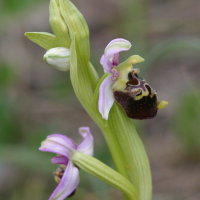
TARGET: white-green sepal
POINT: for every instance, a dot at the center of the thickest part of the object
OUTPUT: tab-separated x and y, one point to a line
58	58
43	39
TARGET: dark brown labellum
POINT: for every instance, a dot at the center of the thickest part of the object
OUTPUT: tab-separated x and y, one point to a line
59	172
139	100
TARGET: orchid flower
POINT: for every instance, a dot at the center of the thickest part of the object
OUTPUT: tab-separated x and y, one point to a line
123	85
67	174
110	61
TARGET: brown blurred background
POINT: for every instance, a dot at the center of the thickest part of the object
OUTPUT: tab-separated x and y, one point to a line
37	100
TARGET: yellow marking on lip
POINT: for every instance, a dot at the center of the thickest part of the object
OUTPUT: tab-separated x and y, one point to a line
142	95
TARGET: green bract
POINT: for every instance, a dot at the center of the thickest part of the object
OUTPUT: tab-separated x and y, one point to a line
58	25
135	158
76	24
79	76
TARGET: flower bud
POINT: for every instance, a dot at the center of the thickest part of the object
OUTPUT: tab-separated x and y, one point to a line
58	58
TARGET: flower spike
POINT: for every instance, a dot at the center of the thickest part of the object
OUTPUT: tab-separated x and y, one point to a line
67	174
110	60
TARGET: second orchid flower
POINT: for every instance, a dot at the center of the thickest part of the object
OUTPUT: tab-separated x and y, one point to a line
67	173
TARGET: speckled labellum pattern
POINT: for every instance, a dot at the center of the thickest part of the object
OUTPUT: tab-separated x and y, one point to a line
138	99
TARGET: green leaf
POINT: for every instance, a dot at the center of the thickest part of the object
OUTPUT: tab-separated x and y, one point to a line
58	25
43	39
101	171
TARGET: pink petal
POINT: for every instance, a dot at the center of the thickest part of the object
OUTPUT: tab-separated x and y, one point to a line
68	183
113	49
60	160
59	144
86	146
106	98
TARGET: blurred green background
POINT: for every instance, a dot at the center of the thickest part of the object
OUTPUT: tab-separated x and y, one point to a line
37	100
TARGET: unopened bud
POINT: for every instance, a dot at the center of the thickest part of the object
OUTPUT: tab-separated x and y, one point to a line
58	58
